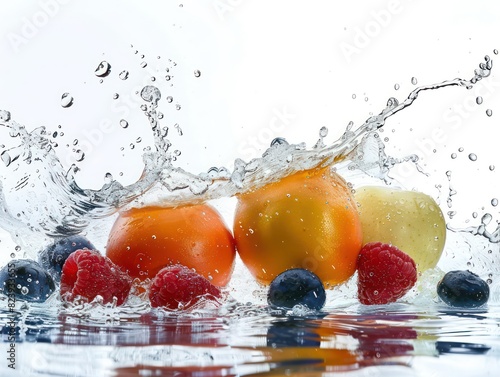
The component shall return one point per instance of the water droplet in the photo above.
(25, 290)
(144, 64)
(177, 107)
(151, 94)
(354, 96)
(489, 112)
(479, 100)
(472, 157)
(179, 129)
(323, 132)
(414, 80)
(392, 102)
(12, 255)
(153, 79)
(197, 73)
(80, 155)
(4, 115)
(123, 123)
(138, 140)
(66, 100)
(116, 96)
(492, 167)
(279, 141)
(108, 178)
(170, 99)
(453, 155)
(495, 51)
(168, 77)
(494, 202)
(396, 86)
(103, 69)
(177, 153)
(123, 75)
(461, 149)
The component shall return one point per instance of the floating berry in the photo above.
(296, 286)
(385, 274)
(178, 287)
(52, 258)
(463, 289)
(87, 273)
(26, 280)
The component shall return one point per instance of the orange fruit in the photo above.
(306, 220)
(144, 240)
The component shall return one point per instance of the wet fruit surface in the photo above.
(87, 274)
(178, 287)
(296, 287)
(145, 240)
(53, 256)
(409, 220)
(26, 280)
(306, 220)
(463, 289)
(385, 274)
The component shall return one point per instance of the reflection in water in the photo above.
(207, 343)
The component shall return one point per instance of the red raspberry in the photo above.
(178, 287)
(87, 273)
(385, 274)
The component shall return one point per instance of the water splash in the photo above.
(33, 168)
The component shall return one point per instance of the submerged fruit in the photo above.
(463, 289)
(145, 240)
(306, 220)
(385, 274)
(53, 256)
(296, 287)
(410, 220)
(26, 280)
(178, 287)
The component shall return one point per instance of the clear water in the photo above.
(40, 199)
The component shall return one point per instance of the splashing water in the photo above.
(39, 198)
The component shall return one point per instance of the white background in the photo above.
(268, 69)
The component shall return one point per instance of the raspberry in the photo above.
(178, 287)
(87, 273)
(385, 274)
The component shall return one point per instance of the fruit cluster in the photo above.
(299, 235)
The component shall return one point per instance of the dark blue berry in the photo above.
(25, 279)
(53, 256)
(296, 287)
(463, 289)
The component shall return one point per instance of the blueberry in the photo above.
(25, 279)
(463, 289)
(53, 256)
(296, 287)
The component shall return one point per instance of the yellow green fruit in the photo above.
(409, 220)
